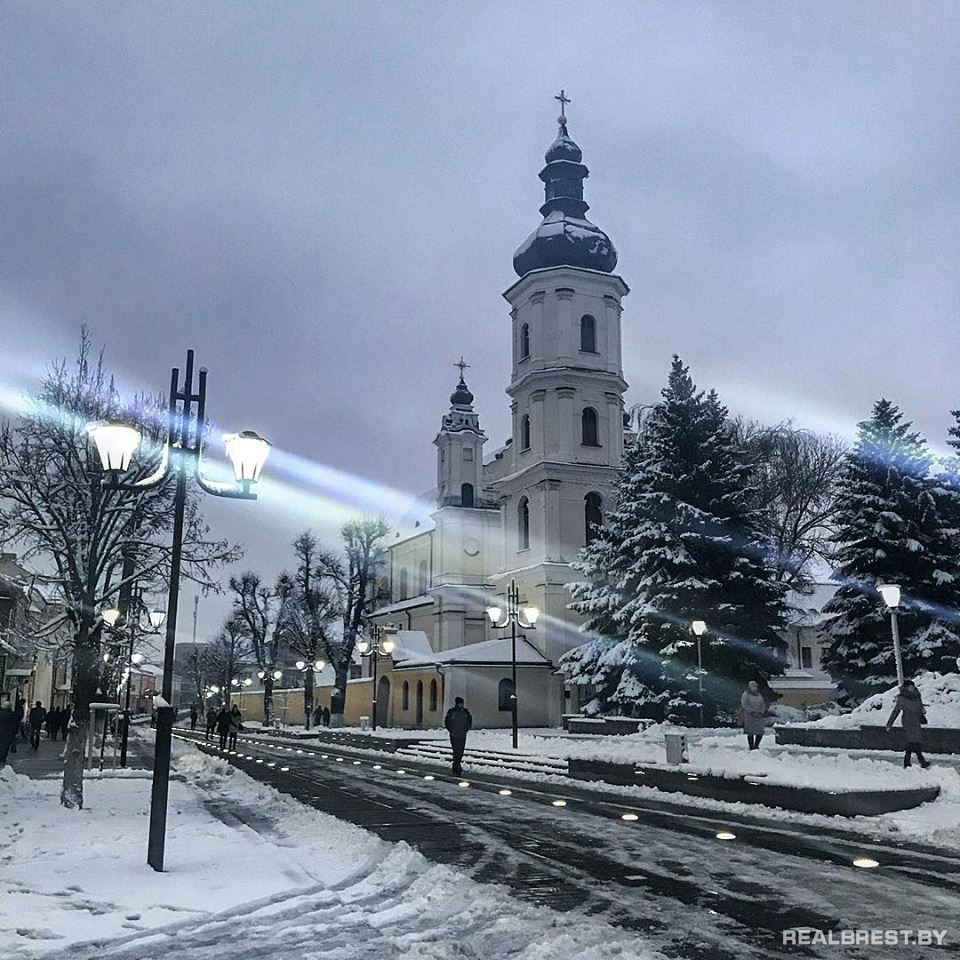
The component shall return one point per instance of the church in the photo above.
(523, 512)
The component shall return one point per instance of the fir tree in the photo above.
(892, 527)
(683, 543)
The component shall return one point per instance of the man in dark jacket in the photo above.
(910, 705)
(8, 729)
(65, 721)
(193, 717)
(37, 716)
(223, 726)
(211, 723)
(458, 723)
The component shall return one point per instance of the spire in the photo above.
(462, 397)
(565, 237)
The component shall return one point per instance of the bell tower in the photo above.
(460, 450)
(566, 390)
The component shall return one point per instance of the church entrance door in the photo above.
(383, 702)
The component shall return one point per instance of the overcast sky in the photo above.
(323, 200)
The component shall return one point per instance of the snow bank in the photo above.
(941, 699)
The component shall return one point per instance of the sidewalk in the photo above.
(47, 762)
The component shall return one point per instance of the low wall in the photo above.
(607, 726)
(739, 790)
(868, 737)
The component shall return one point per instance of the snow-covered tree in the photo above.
(225, 655)
(892, 528)
(683, 543)
(53, 505)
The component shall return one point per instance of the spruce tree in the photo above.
(893, 526)
(682, 544)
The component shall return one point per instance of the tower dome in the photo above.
(565, 238)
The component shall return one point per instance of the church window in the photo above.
(523, 524)
(590, 434)
(525, 432)
(466, 495)
(468, 453)
(406, 695)
(592, 515)
(505, 694)
(434, 701)
(403, 584)
(525, 341)
(422, 580)
(588, 334)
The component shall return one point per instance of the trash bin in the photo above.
(676, 744)
(364, 723)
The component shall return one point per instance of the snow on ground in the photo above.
(238, 848)
(940, 693)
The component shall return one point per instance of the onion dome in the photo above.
(461, 397)
(565, 238)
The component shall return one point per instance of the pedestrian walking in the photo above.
(326, 716)
(753, 708)
(211, 722)
(458, 723)
(18, 717)
(235, 724)
(37, 718)
(193, 717)
(223, 726)
(318, 715)
(65, 721)
(909, 705)
(52, 724)
(8, 729)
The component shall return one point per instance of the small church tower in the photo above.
(566, 390)
(460, 450)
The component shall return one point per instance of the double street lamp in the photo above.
(891, 597)
(500, 619)
(382, 643)
(116, 442)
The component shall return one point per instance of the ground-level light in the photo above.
(866, 862)
(726, 835)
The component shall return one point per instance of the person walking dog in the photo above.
(753, 708)
(458, 723)
(910, 705)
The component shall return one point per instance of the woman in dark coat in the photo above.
(910, 705)
(223, 726)
(753, 708)
(235, 724)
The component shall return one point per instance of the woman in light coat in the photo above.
(910, 705)
(753, 708)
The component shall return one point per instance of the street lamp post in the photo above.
(309, 670)
(500, 619)
(699, 627)
(891, 597)
(116, 443)
(380, 644)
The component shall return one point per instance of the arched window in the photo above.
(525, 341)
(524, 432)
(590, 435)
(466, 495)
(406, 695)
(588, 334)
(505, 694)
(403, 583)
(433, 695)
(592, 515)
(422, 580)
(419, 717)
(523, 524)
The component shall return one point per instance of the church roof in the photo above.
(565, 237)
(487, 653)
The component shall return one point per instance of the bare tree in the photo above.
(197, 670)
(54, 504)
(227, 653)
(262, 611)
(353, 576)
(310, 616)
(795, 475)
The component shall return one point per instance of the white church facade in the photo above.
(524, 511)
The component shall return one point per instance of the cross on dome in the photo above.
(564, 100)
(463, 365)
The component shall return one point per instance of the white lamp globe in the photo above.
(247, 451)
(494, 613)
(363, 646)
(319, 664)
(277, 674)
(389, 645)
(531, 614)
(247, 682)
(137, 658)
(301, 664)
(110, 615)
(116, 441)
(157, 617)
(699, 627)
(890, 593)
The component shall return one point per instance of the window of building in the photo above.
(589, 432)
(404, 586)
(466, 495)
(434, 700)
(525, 432)
(422, 579)
(524, 341)
(419, 717)
(523, 524)
(468, 453)
(405, 695)
(588, 334)
(505, 694)
(592, 515)
(806, 657)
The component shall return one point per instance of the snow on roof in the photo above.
(401, 605)
(411, 644)
(807, 608)
(490, 652)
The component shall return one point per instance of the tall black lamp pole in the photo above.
(380, 644)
